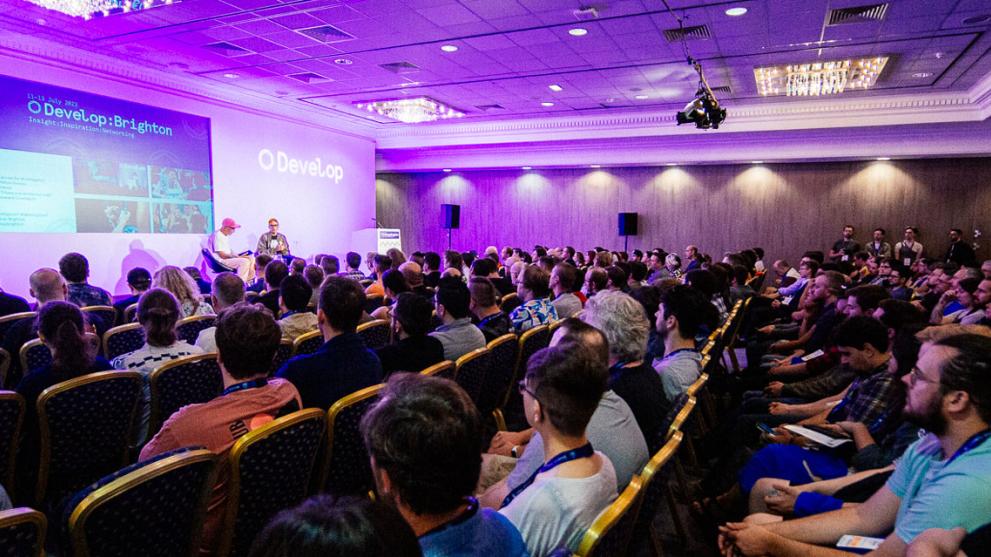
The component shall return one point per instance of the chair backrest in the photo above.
(373, 302)
(123, 339)
(4, 366)
(553, 325)
(86, 424)
(7, 321)
(612, 530)
(681, 417)
(505, 351)
(189, 328)
(531, 341)
(271, 470)
(697, 385)
(22, 532)
(307, 343)
(347, 471)
(653, 485)
(251, 295)
(157, 506)
(445, 369)
(180, 382)
(508, 300)
(107, 313)
(34, 354)
(130, 313)
(11, 420)
(376, 334)
(471, 371)
(282, 355)
(215, 264)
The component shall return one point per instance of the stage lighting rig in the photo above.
(704, 110)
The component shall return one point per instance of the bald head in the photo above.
(412, 272)
(47, 285)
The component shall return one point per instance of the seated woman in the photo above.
(158, 313)
(184, 288)
(62, 328)
(969, 312)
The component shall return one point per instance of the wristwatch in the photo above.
(514, 451)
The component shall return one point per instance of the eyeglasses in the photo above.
(916, 376)
(273, 225)
(521, 386)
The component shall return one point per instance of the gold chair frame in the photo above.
(24, 515)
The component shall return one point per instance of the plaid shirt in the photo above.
(85, 295)
(875, 400)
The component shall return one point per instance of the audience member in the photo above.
(314, 277)
(680, 315)
(139, 281)
(275, 273)
(381, 264)
(294, 297)
(202, 285)
(412, 349)
(431, 269)
(227, 290)
(257, 284)
(536, 309)
(353, 270)
(492, 321)
(75, 268)
(844, 248)
(877, 247)
(908, 250)
(959, 251)
(45, 285)
(330, 265)
(343, 364)
(182, 286)
(10, 304)
(247, 338)
(456, 332)
(423, 437)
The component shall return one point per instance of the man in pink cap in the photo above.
(243, 265)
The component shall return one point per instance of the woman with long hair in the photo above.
(158, 312)
(184, 288)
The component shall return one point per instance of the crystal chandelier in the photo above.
(412, 110)
(87, 9)
(819, 78)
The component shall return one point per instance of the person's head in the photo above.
(313, 275)
(424, 440)
(342, 300)
(275, 273)
(898, 314)
(982, 297)
(949, 384)
(396, 256)
(193, 273)
(452, 260)
(966, 288)
(453, 299)
(623, 321)
(691, 251)
(325, 526)
(596, 280)
(295, 293)
(353, 260)
(638, 272)
(74, 267)
(863, 300)
(411, 271)
(330, 264)
(827, 286)
(138, 280)
(158, 313)
(561, 391)
(704, 280)
(956, 234)
(431, 262)
(878, 234)
(483, 267)
(860, 258)
(740, 275)
(394, 283)
(227, 290)
(602, 259)
(617, 278)
(411, 314)
(807, 269)
(847, 232)
(986, 269)
(178, 282)
(483, 294)
(273, 225)
(911, 233)
(47, 285)
(672, 261)
(862, 342)
(261, 262)
(898, 275)
(247, 339)
(575, 334)
(563, 278)
(535, 284)
(62, 328)
(681, 313)
(381, 264)
(228, 226)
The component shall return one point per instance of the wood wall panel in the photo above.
(786, 208)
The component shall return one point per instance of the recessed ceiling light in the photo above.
(343, 61)
(546, 104)
(735, 12)
(641, 97)
(610, 99)
(41, 21)
(449, 48)
(595, 165)
(756, 162)
(884, 158)
(578, 31)
(231, 75)
(555, 88)
(527, 167)
(671, 164)
(446, 169)
(922, 74)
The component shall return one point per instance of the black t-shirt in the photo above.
(12, 304)
(411, 354)
(495, 325)
(643, 391)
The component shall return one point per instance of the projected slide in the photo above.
(76, 162)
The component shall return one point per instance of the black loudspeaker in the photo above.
(450, 216)
(627, 224)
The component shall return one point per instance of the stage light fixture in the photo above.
(704, 110)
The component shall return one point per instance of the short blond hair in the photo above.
(940, 332)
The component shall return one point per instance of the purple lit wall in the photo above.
(785, 208)
(318, 212)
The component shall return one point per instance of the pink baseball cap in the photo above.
(229, 223)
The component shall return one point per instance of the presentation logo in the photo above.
(282, 163)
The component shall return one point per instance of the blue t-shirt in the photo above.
(485, 532)
(937, 494)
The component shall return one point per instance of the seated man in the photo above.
(486, 268)
(492, 321)
(46, 285)
(423, 437)
(353, 270)
(247, 338)
(679, 318)
(555, 505)
(314, 277)
(382, 263)
(12, 304)
(227, 290)
(275, 273)
(413, 349)
(139, 281)
(294, 297)
(257, 285)
(343, 364)
(457, 333)
(75, 268)
(537, 309)
(243, 265)
(563, 280)
(940, 482)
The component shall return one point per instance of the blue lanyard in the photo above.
(673, 352)
(616, 371)
(584, 451)
(469, 512)
(254, 383)
(970, 444)
(490, 318)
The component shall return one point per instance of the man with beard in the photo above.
(679, 317)
(942, 480)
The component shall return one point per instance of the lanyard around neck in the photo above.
(252, 384)
(584, 451)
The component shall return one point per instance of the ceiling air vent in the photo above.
(857, 14)
(490, 107)
(722, 89)
(689, 33)
(326, 34)
(227, 49)
(308, 77)
(586, 13)
(400, 67)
